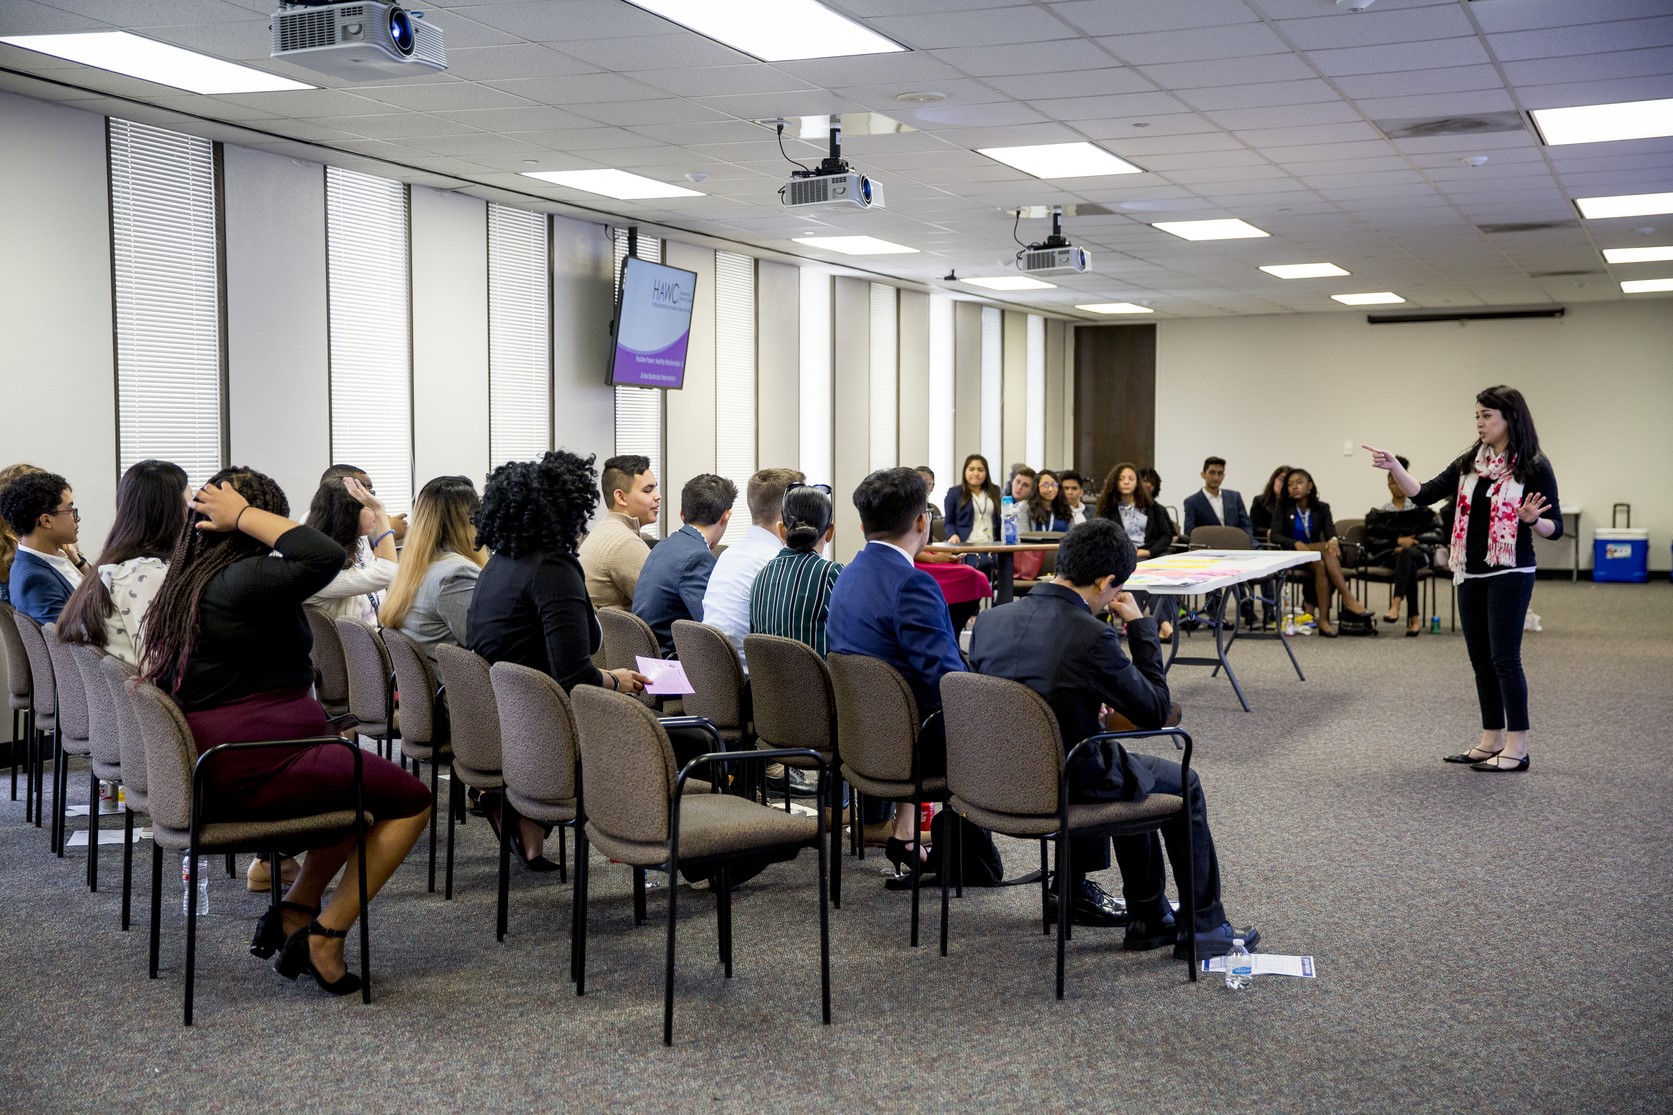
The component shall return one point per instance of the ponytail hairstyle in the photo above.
(150, 508)
(806, 516)
(443, 522)
(170, 630)
(1523, 444)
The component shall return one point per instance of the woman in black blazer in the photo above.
(1303, 522)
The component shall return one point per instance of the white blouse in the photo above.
(353, 592)
(132, 585)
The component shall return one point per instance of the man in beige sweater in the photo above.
(613, 552)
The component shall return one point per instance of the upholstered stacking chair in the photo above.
(475, 721)
(794, 707)
(19, 697)
(721, 693)
(331, 671)
(878, 724)
(642, 811)
(72, 734)
(627, 638)
(371, 681)
(1007, 772)
(540, 762)
(104, 745)
(119, 677)
(176, 777)
(425, 728)
(43, 710)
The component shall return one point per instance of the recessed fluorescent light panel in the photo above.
(1232, 229)
(1060, 160)
(1115, 308)
(1624, 205)
(1376, 298)
(1638, 255)
(1601, 123)
(149, 60)
(1010, 282)
(856, 245)
(1645, 286)
(618, 184)
(774, 30)
(1304, 270)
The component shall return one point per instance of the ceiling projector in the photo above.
(833, 182)
(363, 41)
(1054, 255)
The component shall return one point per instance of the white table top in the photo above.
(1197, 571)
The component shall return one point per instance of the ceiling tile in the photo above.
(1378, 28)
(1521, 15)
(1402, 83)
(1073, 83)
(1436, 54)
(490, 63)
(454, 95)
(556, 22)
(984, 27)
(1590, 38)
(1122, 106)
(1244, 71)
(1287, 116)
(1263, 95)
(1196, 44)
(677, 47)
(577, 88)
(1131, 17)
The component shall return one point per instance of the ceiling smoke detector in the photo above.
(1355, 5)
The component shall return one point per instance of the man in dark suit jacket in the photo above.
(1199, 506)
(1052, 642)
(672, 580)
(40, 509)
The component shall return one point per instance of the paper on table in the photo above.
(666, 674)
(1269, 964)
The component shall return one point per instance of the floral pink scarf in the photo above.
(1504, 495)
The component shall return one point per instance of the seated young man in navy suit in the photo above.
(884, 606)
(40, 509)
(1215, 506)
(1052, 642)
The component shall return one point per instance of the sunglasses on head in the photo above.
(826, 488)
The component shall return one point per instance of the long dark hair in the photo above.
(1267, 499)
(1286, 505)
(336, 514)
(991, 488)
(1039, 510)
(807, 515)
(1523, 444)
(170, 630)
(150, 506)
(1110, 498)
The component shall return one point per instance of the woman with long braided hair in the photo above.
(227, 639)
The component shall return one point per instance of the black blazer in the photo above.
(1050, 641)
(535, 611)
(1321, 528)
(1158, 530)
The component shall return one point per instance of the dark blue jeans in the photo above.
(1492, 610)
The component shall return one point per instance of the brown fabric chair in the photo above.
(878, 724)
(72, 734)
(424, 725)
(626, 638)
(371, 683)
(475, 721)
(1007, 772)
(19, 698)
(643, 812)
(130, 744)
(43, 711)
(175, 776)
(795, 706)
(104, 748)
(1216, 537)
(717, 675)
(540, 762)
(331, 671)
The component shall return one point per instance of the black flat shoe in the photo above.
(295, 960)
(1466, 757)
(1491, 766)
(270, 929)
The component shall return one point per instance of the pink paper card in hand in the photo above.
(667, 676)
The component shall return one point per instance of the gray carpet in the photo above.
(1484, 943)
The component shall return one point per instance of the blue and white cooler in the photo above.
(1621, 555)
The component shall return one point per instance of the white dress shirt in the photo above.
(1218, 502)
(726, 601)
(58, 561)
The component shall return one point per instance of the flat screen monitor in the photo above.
(653, 325)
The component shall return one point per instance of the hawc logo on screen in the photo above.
(665, 292)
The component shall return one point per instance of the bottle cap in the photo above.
(1237, 942)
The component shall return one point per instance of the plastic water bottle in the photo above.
(1008, 520)
(202, 881)
(1240, 968)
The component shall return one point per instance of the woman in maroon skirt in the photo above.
(226, 637)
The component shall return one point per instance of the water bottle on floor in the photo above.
(1240, 968)
(202, 882)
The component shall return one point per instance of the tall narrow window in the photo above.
(993, 392)
(369, 290)
(941, 389)
(885, 377)
(639, 409)
(735, 379)
(816, 376)
(519, 336)
(166, 268)
(1034, 433)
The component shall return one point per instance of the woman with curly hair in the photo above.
(531, 605)
(226, 637)
(346, 510)
(432, 593)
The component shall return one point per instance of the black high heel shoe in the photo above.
(270, 928)
(900, 854)
(295, 959)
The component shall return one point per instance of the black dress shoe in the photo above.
(802, 784)
(1145, 934)
(1218, 941)
(1091, 905)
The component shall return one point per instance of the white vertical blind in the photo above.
(1034, 433)
(815, 376)
(168, 309)
(639, 409)
(735, 380)
(993, 393)
(885, 377)
(941, 389)
(370, 291)
(519, 335)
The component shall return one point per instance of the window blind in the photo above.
(369, 289)
(993, 393)
(885, 378)
(166, 271)
(639, 409)
(735, 380)
(519, 335)
(1034, 435)
(941, 407)
(815, 376)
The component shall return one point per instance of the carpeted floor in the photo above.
(1484, 943)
